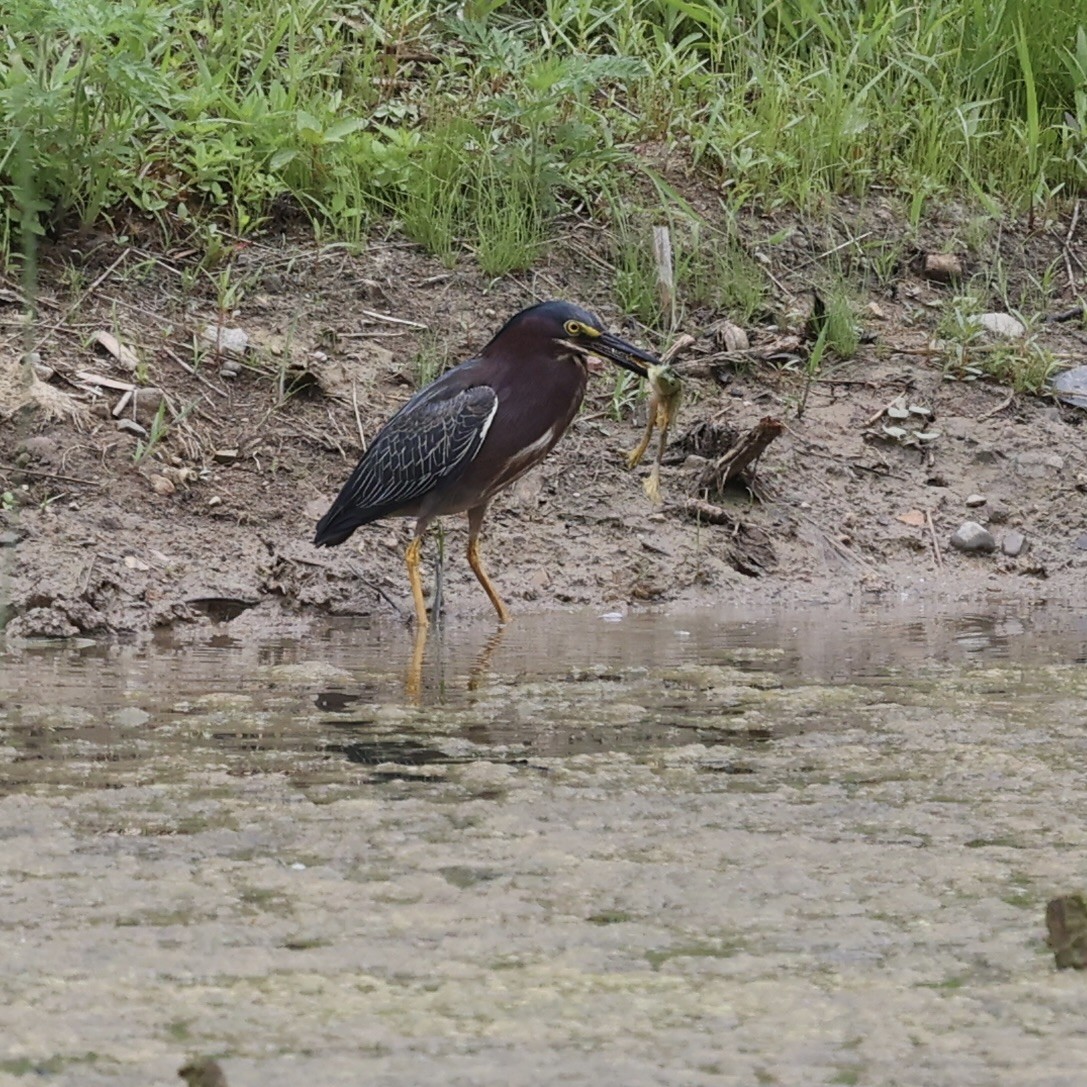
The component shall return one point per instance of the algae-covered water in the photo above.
(654, 849)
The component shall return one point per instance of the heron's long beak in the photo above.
(617, 350)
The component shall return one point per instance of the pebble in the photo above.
(226, 341)
(1037, 463)
(1013, 543)
(942, 267)
(146, 403)
(9, 539)
(130, 426)
(732, 337)
(971, 536)
(975, 500)
(1002, 324)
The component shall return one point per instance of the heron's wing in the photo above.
(431, 439)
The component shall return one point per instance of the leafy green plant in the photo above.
(843, 333)
(430, 361)
(635, 270)
(962, 334)
(716, 271)
(1025, 366)
(195, 112)
(160, 427)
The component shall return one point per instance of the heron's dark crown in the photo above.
(545, 320)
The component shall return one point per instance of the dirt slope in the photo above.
(218, 516)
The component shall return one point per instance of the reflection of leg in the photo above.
(483, 661)
(437, 601)
(475, 521)
(414, 561)
(413, 685)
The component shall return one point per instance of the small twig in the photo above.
(999, 408)
(104, 382)
(371, 334)
(935, 541)
(1067, 247)
(123, 403)
(191, 371)
(79, 303)
(707, 512)
(87, 577)
(872, 420)
(1064, 315)
(389, 319)
(681, 344)
(49, 475)
(358, 417)
(666, 284)
(821, 256)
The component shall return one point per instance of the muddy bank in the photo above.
(108, 530)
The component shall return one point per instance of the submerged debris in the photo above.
(1066, 920)
(202, 1072)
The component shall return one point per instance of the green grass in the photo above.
(473, 132)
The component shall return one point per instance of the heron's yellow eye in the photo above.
(579, 328)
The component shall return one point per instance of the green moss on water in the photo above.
(848, 1075)
(179, 1030)
(717, 950)
(49, 1066)
(609, 917)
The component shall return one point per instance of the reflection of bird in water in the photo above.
(202, 1072)
(474, 431)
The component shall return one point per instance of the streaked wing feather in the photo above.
(426, 442)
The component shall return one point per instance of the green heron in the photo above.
(455, 444)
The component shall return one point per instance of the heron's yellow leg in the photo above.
(414, 560)
(475, 520)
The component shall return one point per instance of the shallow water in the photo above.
(653, 849)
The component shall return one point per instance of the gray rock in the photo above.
(9, 539)
(130, 426)
(1036, 464)
(146, 403)
(1014, 543)
(942, 267)
(1002, 324)
(1071, 386)
(226, 341)
(971, 536)
(975, 500)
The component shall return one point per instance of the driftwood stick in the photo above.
(935, 540)
(746, 451)
(706, 512)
